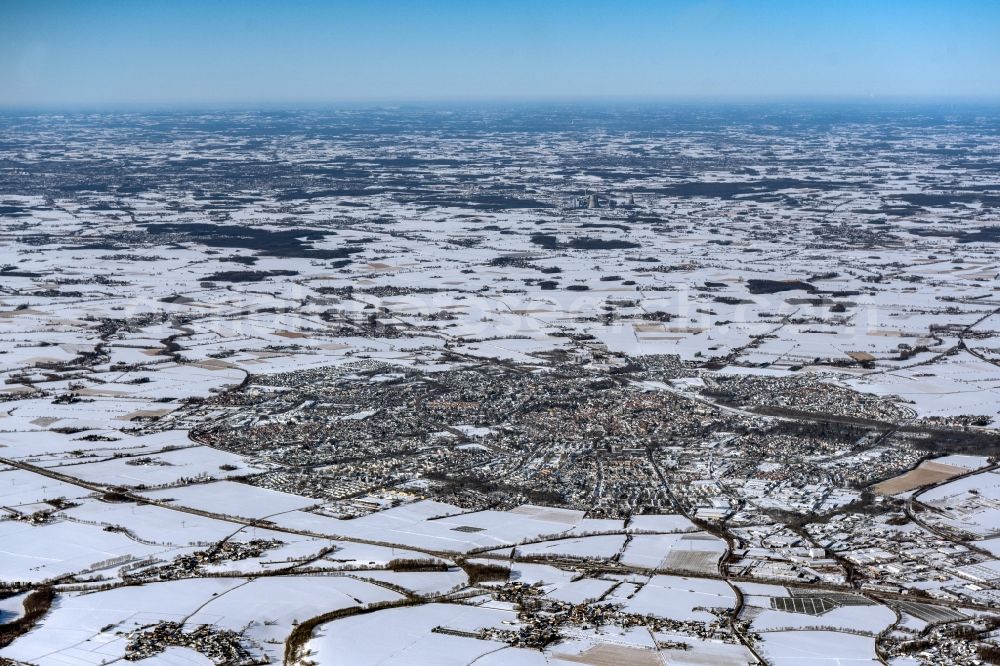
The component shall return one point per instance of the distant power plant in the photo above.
(595, 200)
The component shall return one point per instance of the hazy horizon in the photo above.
(902, 104)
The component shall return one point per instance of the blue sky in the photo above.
(181, 52)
